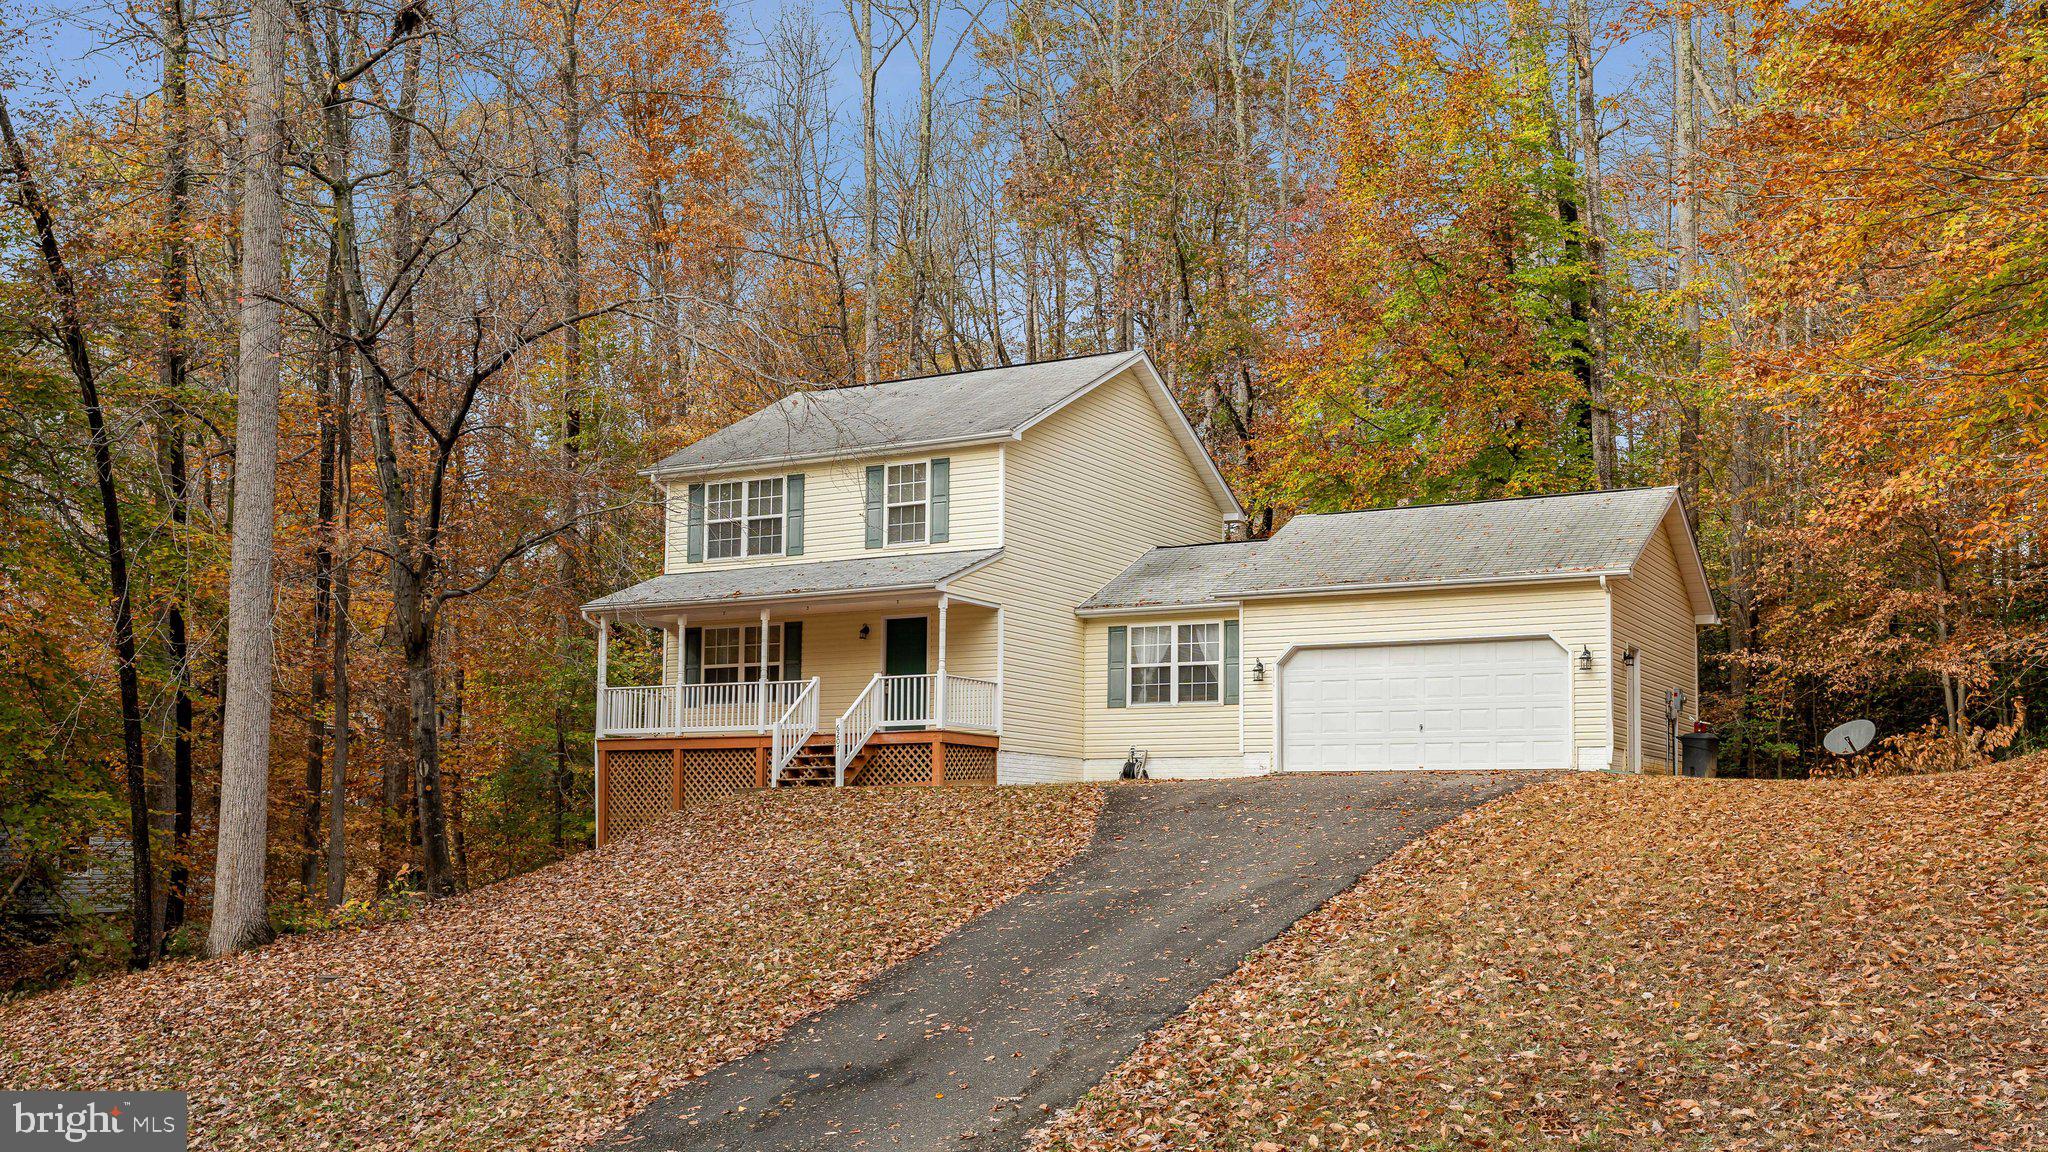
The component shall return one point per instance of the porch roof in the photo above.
(863, 575)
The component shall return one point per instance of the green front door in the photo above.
(905, 641)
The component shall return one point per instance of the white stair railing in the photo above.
(851, 731)
(793, 729)
(886, 702)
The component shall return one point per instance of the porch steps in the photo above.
(813, 766)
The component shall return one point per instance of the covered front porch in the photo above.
(844, 688)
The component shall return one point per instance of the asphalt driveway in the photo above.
(971, 1044)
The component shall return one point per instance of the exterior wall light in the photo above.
(863, 631)
(1585, 658)
(1258, 671)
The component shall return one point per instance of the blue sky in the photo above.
(63, 52)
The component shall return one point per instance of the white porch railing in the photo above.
(635, 711)
(969, 703)
(676, 709)
(793, 729)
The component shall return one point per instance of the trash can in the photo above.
(1698, 753)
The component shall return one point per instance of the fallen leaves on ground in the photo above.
(1632, 963)
(539, 1012)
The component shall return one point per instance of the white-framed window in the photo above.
(907, 503)
(1176, 664)
(743, 518)
(733, 655)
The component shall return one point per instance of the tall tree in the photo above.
(173, 363)
(77, 349)
(1579, 43)
(241, 916)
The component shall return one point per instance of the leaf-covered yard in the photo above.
(1628, 963)
(535, 1013)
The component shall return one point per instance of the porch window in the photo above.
(1176, 664)
(743, 518)
(907, 502)
(733, 655)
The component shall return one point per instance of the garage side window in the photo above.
(1176, 664)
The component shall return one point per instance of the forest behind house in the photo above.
(1790, 258)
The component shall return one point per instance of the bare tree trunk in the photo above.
(78, 357)
(1286, 123)
(1579, 35)
(1686, 137)
(332, 562)
(317, 695)
(862, 13)
(403, 362)
(172, 361)
(917, 245)
(337, 832)
(569, 275)
(240, 914)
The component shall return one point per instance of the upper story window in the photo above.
(744, 518)
(1177, 664)
(907, 498)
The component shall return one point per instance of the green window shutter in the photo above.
(1230, 661)
(696, 550)
(1119, 662)
(793, 525)
(942, 499)
(693, 655)
(793, 650)
(874, 505)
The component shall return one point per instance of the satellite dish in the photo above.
(1850, 738)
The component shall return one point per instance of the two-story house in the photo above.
(1023, 575)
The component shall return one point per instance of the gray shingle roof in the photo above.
(1584, 533)
(704, 584)
(1188, 574)
(959, 407)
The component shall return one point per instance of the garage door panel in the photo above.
(1471, 705)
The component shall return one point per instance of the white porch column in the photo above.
(604, 635)
(939, 684)
(683, 630)
(763, 722)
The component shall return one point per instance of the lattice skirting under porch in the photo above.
(713, 772)
(641, 784)
(897, 764)
(644, 784)
(970, 764)
(640, 789)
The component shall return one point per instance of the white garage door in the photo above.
(1477, 704)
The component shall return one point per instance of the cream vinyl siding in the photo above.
(1574, 614)
(1653, 612)
(1163, 730)
(1089, 490)
(843, 662)
(835, 508)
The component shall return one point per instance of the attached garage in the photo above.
(1475, 704)
(1541, 633)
